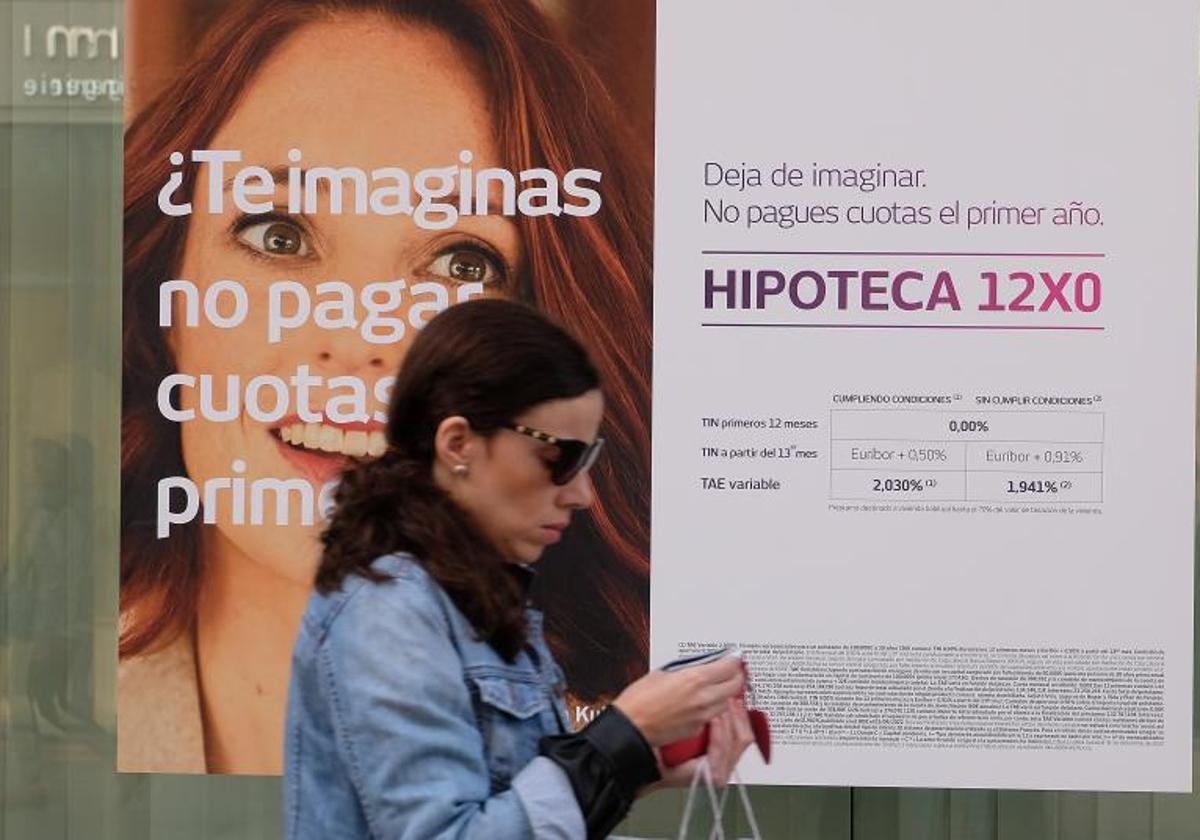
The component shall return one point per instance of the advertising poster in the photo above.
(306, 185)
(925, 296)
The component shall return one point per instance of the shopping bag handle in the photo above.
(716, 802)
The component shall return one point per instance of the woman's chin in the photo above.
(289, 552)
(526, 553)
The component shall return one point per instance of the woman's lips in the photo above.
(553, 533)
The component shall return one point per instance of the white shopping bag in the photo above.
(717, 803)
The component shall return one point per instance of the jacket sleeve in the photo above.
(607, 763)
(406, 729)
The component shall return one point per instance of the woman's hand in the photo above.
(667, 706)
(729, 735)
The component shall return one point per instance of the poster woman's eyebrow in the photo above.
(278, 173)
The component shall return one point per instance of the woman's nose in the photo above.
(578, 492)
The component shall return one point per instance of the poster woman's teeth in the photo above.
(325, 438)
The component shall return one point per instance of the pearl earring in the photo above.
(461, 469)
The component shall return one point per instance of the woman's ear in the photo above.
(454, 444)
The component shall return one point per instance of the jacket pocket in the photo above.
(511, 712)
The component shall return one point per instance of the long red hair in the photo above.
(593, 275)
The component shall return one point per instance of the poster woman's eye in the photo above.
(467, 264)
(277, 238)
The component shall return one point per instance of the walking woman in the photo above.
(424, 701)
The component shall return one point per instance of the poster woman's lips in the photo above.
(357, 440)
(315, 465)
(322, 451)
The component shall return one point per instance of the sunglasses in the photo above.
(574, 456)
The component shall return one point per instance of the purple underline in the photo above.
(1000, 327)
(1055, 254)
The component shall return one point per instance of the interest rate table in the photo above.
(980, 456)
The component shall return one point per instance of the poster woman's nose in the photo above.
(346, 352)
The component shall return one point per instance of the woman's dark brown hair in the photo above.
(488, 361)
(549, 110)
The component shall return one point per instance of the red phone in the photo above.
(685, 749)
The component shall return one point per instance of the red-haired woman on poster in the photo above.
(209, 610)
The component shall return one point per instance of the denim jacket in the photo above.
(402, 724)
